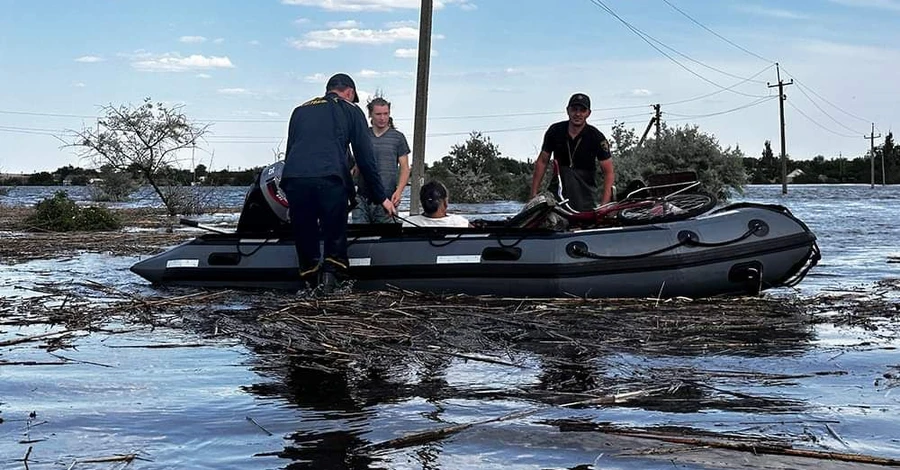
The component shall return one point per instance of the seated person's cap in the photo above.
(342, 80)
(580, 99)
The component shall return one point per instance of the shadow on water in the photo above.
(542, 355)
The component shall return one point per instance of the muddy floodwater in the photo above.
(801, 378)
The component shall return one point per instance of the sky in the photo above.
(502, 67)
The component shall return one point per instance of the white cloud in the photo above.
(174, 62)
(366, 73)
(79, 85)
(368, 5)
(402, 24)
(89, 59)
(233, 91)
(218, 40)
(315, 78)
(300, 21)
(203, 75)
(641, 93)
(270, 113)
(772, 12)
(411, 53)
(192, 39)
(346, 24)
(841, 51)
(254, 42)
(882, 4)
(332, 38)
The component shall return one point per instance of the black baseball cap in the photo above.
(342, 80)
(580, 99)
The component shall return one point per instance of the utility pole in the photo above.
(781, 99)
(654, 119)
(872, 138)
(658, 117)
(422, 73)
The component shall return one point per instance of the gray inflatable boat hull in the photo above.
(743, 248)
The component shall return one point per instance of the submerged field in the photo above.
(100, 370)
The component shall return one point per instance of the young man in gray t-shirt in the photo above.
(392, 158)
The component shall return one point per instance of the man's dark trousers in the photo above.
(314, 204)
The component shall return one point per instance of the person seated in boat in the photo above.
(578, 149)
(435, 200)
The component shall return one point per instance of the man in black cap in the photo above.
(316, 177)
(577, 147)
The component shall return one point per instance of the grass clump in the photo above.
(61, 214)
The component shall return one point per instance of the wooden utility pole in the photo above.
(781, 99)
(654, 119)
(872, 138)
(658, 116)
(422, 73)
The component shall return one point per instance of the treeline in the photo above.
(75, 176)
(767, 168)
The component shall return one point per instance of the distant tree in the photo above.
(43, 178)
(465, 169)
(474, 171)
(680, 149)
(891, 159)
(200, 170)
(769, 166)
(114, 185)
(145, 139)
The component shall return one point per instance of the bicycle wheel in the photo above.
(673, 208)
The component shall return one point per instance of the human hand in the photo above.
(389, 207)
(395, 198)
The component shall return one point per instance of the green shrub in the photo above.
(96, 219)
(61, 214)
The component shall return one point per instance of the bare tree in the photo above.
(145, 139)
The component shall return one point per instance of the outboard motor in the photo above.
(265, 205)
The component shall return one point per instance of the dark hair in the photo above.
(380, 101)
(431, 196)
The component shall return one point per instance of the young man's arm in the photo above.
(540, 167)
(402, 178)
(609, 177)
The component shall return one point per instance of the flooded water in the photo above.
(211, 404)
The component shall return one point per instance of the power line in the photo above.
(697, 98)
(801, 84)
(826, 113)
(679, 10)
(817, 122)
(645, 36)
(719, 113)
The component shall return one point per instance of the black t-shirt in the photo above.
(577, 160)
(582, 152)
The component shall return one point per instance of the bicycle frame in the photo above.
(606, 213)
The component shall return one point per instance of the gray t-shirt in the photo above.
(388, 150)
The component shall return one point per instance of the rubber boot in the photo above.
(329, 282)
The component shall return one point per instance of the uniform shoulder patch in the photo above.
(315, 101)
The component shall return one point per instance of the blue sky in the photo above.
(502, 67)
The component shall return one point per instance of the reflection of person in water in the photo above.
(351, 394)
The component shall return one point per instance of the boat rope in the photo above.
(579, 249)
(754, 227)
(807, 264)
(253, 251)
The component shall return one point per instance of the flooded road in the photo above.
(185, 395)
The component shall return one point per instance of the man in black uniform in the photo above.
(577, 147)
(316, 177)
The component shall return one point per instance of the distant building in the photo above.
(794, 174)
